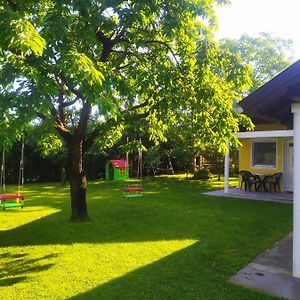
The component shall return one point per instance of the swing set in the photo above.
(17, 199)
(133, 187)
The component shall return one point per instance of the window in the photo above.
(122, 171)
(264, 153)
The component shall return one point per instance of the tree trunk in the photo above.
(62, 173)
(78, 182)
(192, 168)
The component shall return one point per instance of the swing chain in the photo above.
(2, 177)
(21, 169)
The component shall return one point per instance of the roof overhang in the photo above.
(265, 134)
(119, 163)
(271, 103)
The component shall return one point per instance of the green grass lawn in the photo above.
(174, 243)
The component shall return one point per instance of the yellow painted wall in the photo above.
(245, 157)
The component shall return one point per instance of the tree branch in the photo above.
(92, 136)
(71, 88)
(62, 115)
(120, 36)
(69, 103)
(62, 130)
(42, 116)
(166, 45)
(106, 43)
(135, 107)
(90, 140)
(122, 67)
(60, 126)
(125, 52)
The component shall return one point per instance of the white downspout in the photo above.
(236, 108)
(296, 200)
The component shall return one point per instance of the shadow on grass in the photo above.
(202, 276)
(154, 281)
(180, 212)
(227, 231)
(16, 267)
(172, 214)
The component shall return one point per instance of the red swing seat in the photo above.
(132, 188)
(19, 200)
(4, 197)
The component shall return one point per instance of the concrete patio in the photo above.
(237, 193)
(271, 272)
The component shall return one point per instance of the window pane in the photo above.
(264, 153)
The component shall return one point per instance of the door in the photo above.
(288, 166)
(111, 172)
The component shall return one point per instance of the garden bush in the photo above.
(203, 174)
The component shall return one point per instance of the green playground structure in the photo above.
(116, 169)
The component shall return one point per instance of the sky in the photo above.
(281, 18)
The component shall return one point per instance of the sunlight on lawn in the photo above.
(146, 248)
(212, 183)
(74, 269)
(16, 217)
(215, 184)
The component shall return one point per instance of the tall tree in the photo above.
(70, 61)
(207, 120)
(267, 55)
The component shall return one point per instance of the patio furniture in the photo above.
(243, 179)
(249, 180)
(262, 186)
(273, 181)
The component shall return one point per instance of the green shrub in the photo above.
(203, 174)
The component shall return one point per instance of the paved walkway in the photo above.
(237, 193)
(271, 272)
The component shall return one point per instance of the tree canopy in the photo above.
(267, 55)
(90, 68)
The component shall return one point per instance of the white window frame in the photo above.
(266, 140)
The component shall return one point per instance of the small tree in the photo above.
(46, 143)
